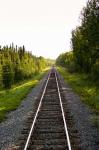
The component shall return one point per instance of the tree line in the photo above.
(17, 64)
(66, 60)
(85, 42)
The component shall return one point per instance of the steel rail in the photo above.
(63, 115)
(34, 120)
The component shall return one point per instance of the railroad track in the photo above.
(49, 129)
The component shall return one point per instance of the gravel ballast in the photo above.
(10, 130)
(89, 134)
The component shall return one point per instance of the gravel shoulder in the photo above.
(89, 134)
(10, 129)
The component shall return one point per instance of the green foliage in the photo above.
(83, 61)
(85, 38)
(17, 64)
(18, 74)
(85, 44)
(50, 62)
(95, 71)
(0, 74)
(8, 76)
(66, 60)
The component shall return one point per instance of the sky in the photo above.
(43, 26)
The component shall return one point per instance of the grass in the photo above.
(11, 99)
(86, 88)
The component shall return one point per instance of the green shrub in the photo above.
(8, 75)
(95, 71)
(19, 76)
(0, 75)
(71, 67)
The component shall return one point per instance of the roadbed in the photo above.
(10, 129)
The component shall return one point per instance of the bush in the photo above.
(95, 71)
(72, 67)
(0, 75)
(19, 75)
(8, 75)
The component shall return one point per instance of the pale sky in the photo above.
(43, 26)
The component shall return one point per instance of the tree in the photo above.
(8, 75)
(66, 60)
(17, 64)
(85, 38)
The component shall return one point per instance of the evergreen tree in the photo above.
(17, 64)
(8, 75)
(85, 39)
